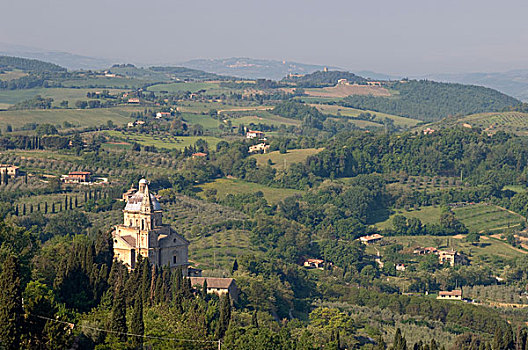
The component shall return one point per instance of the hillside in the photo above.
(28, 65)
(513, 83)
(251, 68)
(322, 79)
(511, 122)
(430, 101)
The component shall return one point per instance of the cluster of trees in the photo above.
(431, 101)
(322, 79)
(37, 102)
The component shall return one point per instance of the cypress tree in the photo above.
(137, 326)
(225, 315)
(31, 208)
(204, 289)
(38, 207)
(76, 202)
(45, 207)
(235, 266)
(10, 304)
(118, 323)
(71, 204)
(254, 319)
(399, 341)
(24, 209)
(53, 208)
(16, 210)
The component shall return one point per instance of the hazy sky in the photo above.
(390, 36)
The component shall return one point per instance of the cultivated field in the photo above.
(236, 186)
(488, 218)
(353, 112)
(343, 90)
(281, 161)
(168, 142)
(77, 117)
(191, 87)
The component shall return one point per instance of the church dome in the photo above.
(135, 202)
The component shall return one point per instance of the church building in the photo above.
(143, 232)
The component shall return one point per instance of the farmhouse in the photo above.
(374, 83)
(314, 264)
(143, 233)
(251, 134)
(162, 115)
(450, 257)
(133, 100)
(10, 170)
(260, 148)
(217, 285)
(371, 239)
(450, 295)
(342, 82)
(77, 177)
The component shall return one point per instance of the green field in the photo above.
(353, 112)
(281, 161)
(235, 186)
(488, 218)
(168, 142)
(78, 117)
(427, 215)
(206, 121)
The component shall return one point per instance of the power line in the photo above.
(72, 325)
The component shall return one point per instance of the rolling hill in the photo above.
(431, 101)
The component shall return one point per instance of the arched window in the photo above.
(142, 224)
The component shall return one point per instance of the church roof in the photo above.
(134, 202)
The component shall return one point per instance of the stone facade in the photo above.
(143, 232)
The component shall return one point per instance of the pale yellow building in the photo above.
(143, 232)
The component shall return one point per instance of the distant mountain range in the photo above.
(64, 59)
(513, 83)
(252, 68)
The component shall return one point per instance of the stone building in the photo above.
(143, 232)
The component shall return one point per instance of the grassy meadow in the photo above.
(280, 161)
(77, 117)
(236, 186)
(353, 112)
(168, 142)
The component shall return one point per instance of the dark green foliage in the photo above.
(11, 320)
(69, 222)
(310, 116)
(137, 326)
(430, 101)
(118, 322)
(399, 342)
(225, 315)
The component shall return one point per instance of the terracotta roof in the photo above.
(212, 282)
(80, 173)
(199, 154)
(371, 237)
(456, 293)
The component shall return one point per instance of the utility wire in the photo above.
(71, 325)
